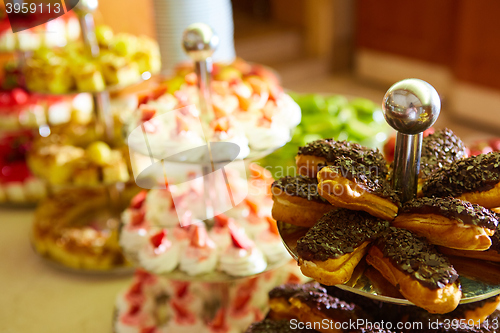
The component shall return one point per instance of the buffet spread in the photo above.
(304, 230)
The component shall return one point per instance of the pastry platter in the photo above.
(473, 288)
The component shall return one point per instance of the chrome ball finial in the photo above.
(86, 6)
(411, 106)
(199, 41)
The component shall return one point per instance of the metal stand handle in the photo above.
(410, 107)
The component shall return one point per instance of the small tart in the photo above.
(316, 154)
(475, 179)
(297, 201)
(331, 249)
(349, 184)
(422, 275)
(449, 222)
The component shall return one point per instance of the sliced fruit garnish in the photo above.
(221, 220)
(151, 329)
(220, 125)
(199, 236)
(136, 289)
(137, 217)
(239, 239)
(182, 125)
(252, 204)
(292, 278)
(273, 227)
(147, 112)
(134, 309)
(219, 320)
(181, 310)
(138, 200)
(157, 239)
(241, 301)
(181, 289)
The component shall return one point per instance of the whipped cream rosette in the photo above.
(236, 243)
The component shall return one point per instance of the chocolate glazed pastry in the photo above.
(349, 184)
(296, 201)
(438, 149)
(492, 254)
(279, 298)
(331, 249)
(323, 152)
(472, 313)
(475, 179)
(449, 222)
(320, 308)
(422, 275)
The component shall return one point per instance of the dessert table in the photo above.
(38, 298)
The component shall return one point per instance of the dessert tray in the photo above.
(475, 285)
(418, 231)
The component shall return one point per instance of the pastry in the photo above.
(279, 298)
(422, 275)
(249, 107)
(323, 152)
(449, 222)
(332, 248)
(438, 149)
(475, 179)
(161, 255)
(492, 254)
(200, 256)
(297, 201)
(317, 308)
(349, 184)
(73, 229)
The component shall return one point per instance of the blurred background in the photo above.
(361, 47)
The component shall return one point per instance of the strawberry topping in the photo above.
(273, 227)
(138, 200)
(181, 289)
(147, 112)
(219, 321)
(221, 220)
(240, 240)
(252, 204)
(157, 239)
(151, 329)
(137, 217)
(199, 236)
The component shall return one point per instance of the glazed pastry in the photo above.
(279, 298)
(449, 222)
(323, 152)
(438, 149)
(422, 275)
(475, 179)
(349, 184)
(479, 270)
(296, 201)
(200, 256)
(476, 311)
(331, 249)
(316, 308)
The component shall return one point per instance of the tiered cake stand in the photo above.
(199, 43)
(96, 207)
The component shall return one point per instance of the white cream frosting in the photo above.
(199, 260)
(240, 262)
(162, 259)
(272, 246)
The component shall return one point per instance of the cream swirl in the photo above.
(242, 262)
(161, 255)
